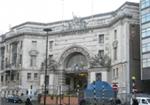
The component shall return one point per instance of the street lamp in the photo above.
(45, 79)
(133, 85)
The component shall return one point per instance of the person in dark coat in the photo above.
(134, 101)
(28, 102)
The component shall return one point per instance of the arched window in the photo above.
(76, 61)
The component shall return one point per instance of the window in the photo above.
(115, 53)
(146, 32)
(145, 60)
(28, 76)
(7, 48)
(145, 3)
(34, 43)
(17, 76)
(51, 45)
(6, 78)
(47, 80)
(101, 38)
(101, 53)
(21, 44)
(20, 59)
(33, 60)
(2, 78)
(35, 76)
(115, 73)
(12, 76)
(14, 53)
(50, 57)
(146, 47)
(145, 17)
(115, 34)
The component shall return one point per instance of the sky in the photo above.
(15, 12)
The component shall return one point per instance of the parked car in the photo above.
(14, 99)
(142, 100)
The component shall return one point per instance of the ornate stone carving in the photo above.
(77, 23)
(51, 65)
(98, 61)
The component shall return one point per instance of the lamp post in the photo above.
(45, 79)
(133, 85)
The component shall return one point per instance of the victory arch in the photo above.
(75, 63)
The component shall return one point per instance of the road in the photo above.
(4, 102)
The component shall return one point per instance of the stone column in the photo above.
(61, 81)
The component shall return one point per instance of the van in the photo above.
(143, 100)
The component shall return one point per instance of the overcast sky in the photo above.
(14, 12)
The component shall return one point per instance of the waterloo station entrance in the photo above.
(77, 81)
(76, 68)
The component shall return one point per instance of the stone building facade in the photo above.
(80, 51)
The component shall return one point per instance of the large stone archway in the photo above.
(70, 52)
(75, 63)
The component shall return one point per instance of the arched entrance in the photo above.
(75, 61)
(76, 71)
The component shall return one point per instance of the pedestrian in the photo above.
(134, 101)
(28, 102)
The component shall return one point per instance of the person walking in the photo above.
(135, 102)
(28, 102)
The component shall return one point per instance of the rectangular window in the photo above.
(14, 53)
(7, 48)
(34, 43)
(145, 47)
(35, 76)
(51, 45)
(145, 32)
(145, 17)
(20, 59)
(28, 76)
(101, 53)
(146, 62)
(145, 3)
(17, 76)
(6, 78)
(47, 80)
(115, 53)
(2, 78)
(115, 73)
(50, 57)
(33, 60)
(101, 38)
(115, 34)
(21, 44)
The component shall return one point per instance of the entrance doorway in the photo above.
(77, 81)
